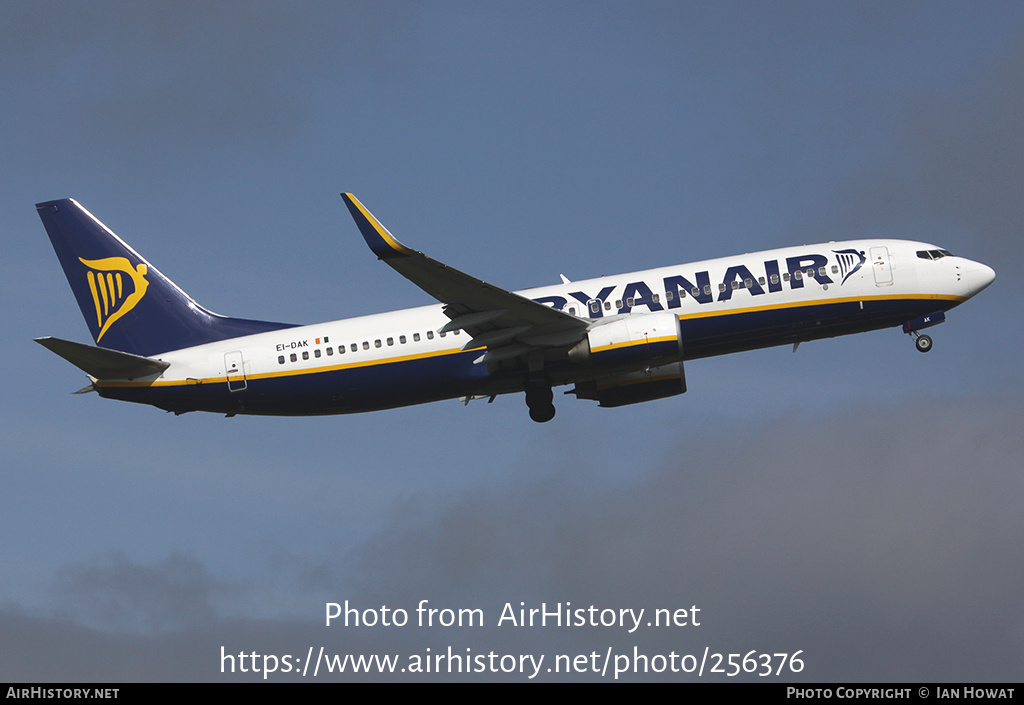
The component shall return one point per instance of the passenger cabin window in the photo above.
(401, 339)
(293, 357)
(391, 341)
(317, 353)
(305, 355)
(415, 337)
(595, 306)
(430, 335)
(280, 359)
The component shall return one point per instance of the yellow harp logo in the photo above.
(112, 295)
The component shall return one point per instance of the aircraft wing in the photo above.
(504, 322)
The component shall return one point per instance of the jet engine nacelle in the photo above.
(634, 387)
(644, 339)
(650, 343)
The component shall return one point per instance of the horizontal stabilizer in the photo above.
(103, 363)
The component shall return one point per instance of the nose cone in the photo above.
(978, 277)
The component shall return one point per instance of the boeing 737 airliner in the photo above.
(618, 339)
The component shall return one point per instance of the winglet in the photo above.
(382, 242)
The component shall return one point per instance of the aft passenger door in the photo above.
(234, 368)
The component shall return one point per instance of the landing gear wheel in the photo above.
(539, 398)
(923, 343)
(541, 414)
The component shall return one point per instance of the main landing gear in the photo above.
(539, 398)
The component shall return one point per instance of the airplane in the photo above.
(618, 340)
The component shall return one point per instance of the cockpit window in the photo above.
(934, 254)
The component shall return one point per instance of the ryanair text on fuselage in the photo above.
(698, 287)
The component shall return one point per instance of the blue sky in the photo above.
(843, 500)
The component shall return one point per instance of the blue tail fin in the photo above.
(128, 304)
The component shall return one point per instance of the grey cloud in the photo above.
(115, 593)
(881, 542)
(953, 173)
(972, 163)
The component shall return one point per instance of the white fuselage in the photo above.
(723, 305)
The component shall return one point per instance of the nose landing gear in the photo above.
(923, 342)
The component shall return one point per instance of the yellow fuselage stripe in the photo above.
(631, 343)
(819, 302)
(604, 348)
(287, 373)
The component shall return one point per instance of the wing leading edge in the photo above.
(507, 324)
